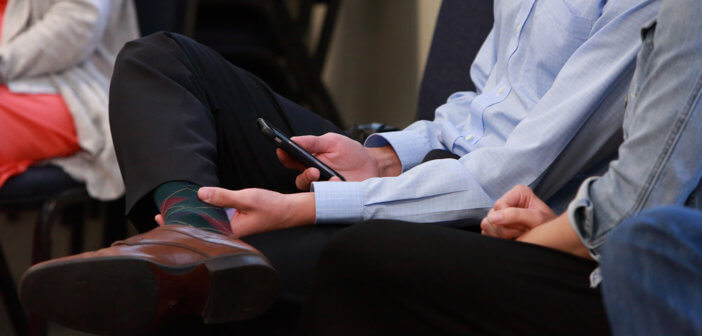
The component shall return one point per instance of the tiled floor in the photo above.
(16, 237)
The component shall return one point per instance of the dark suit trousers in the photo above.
(179, 111)
(396, 278)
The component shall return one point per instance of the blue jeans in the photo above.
(652, 273)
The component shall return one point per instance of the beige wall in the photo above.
(377, 57)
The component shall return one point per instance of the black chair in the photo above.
(265, 38)
(9, 296)
(454, 45)
(55, 194)
(176, 16)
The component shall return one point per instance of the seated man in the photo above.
(182, 117)
(56, 59)
(390, 277)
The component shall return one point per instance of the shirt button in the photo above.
(470, 137)
(500, 90)
(519, 28)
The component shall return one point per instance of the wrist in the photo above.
(387, 161)
(302, 209)
(557, 234)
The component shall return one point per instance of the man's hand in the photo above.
(515, 213)
(260, 210)
(346, 156)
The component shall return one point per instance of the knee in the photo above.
(147, 49)
(654, 231)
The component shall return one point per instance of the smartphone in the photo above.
(281, 141)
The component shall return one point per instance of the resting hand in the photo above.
(515, 213)
(344, 155)
(259, 210)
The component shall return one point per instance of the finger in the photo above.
(288, 161)
(311, 143)
(159, 220)
(517, 218)
(487, 228)
(497, 231)
(517, 197)
(305, 179)
(335, 178)
(223, 197)
(484, 225)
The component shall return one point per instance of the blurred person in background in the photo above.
(56, 60)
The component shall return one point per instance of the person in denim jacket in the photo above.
(652, 262)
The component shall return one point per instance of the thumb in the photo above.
(218, 197)
(311, 143)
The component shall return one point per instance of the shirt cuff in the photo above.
(338, 202)
(409, 146)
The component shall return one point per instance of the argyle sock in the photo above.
(179, 204)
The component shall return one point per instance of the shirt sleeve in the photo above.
(418, 139)
(445, 190)
(68, 32)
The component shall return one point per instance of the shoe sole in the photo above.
(126, 295)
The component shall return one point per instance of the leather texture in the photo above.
(171, 245)
(139, 284)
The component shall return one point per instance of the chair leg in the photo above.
(74, 216)
(9, 294)
(115, 222)
(41, 251)
(41, 247)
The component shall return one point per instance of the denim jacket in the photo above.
(660, 161)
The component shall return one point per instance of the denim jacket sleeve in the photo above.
(660, 161)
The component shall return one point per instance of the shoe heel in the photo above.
(241, 287)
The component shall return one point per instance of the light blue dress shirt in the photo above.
(542, 71)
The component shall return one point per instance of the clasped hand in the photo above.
(515, 213)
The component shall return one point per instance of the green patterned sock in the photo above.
(179, 204)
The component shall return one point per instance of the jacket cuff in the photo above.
(581, 216)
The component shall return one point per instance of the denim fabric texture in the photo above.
(660, 161)
(542, 71)
(652, 269)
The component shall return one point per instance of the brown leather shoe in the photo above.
(139, 283)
